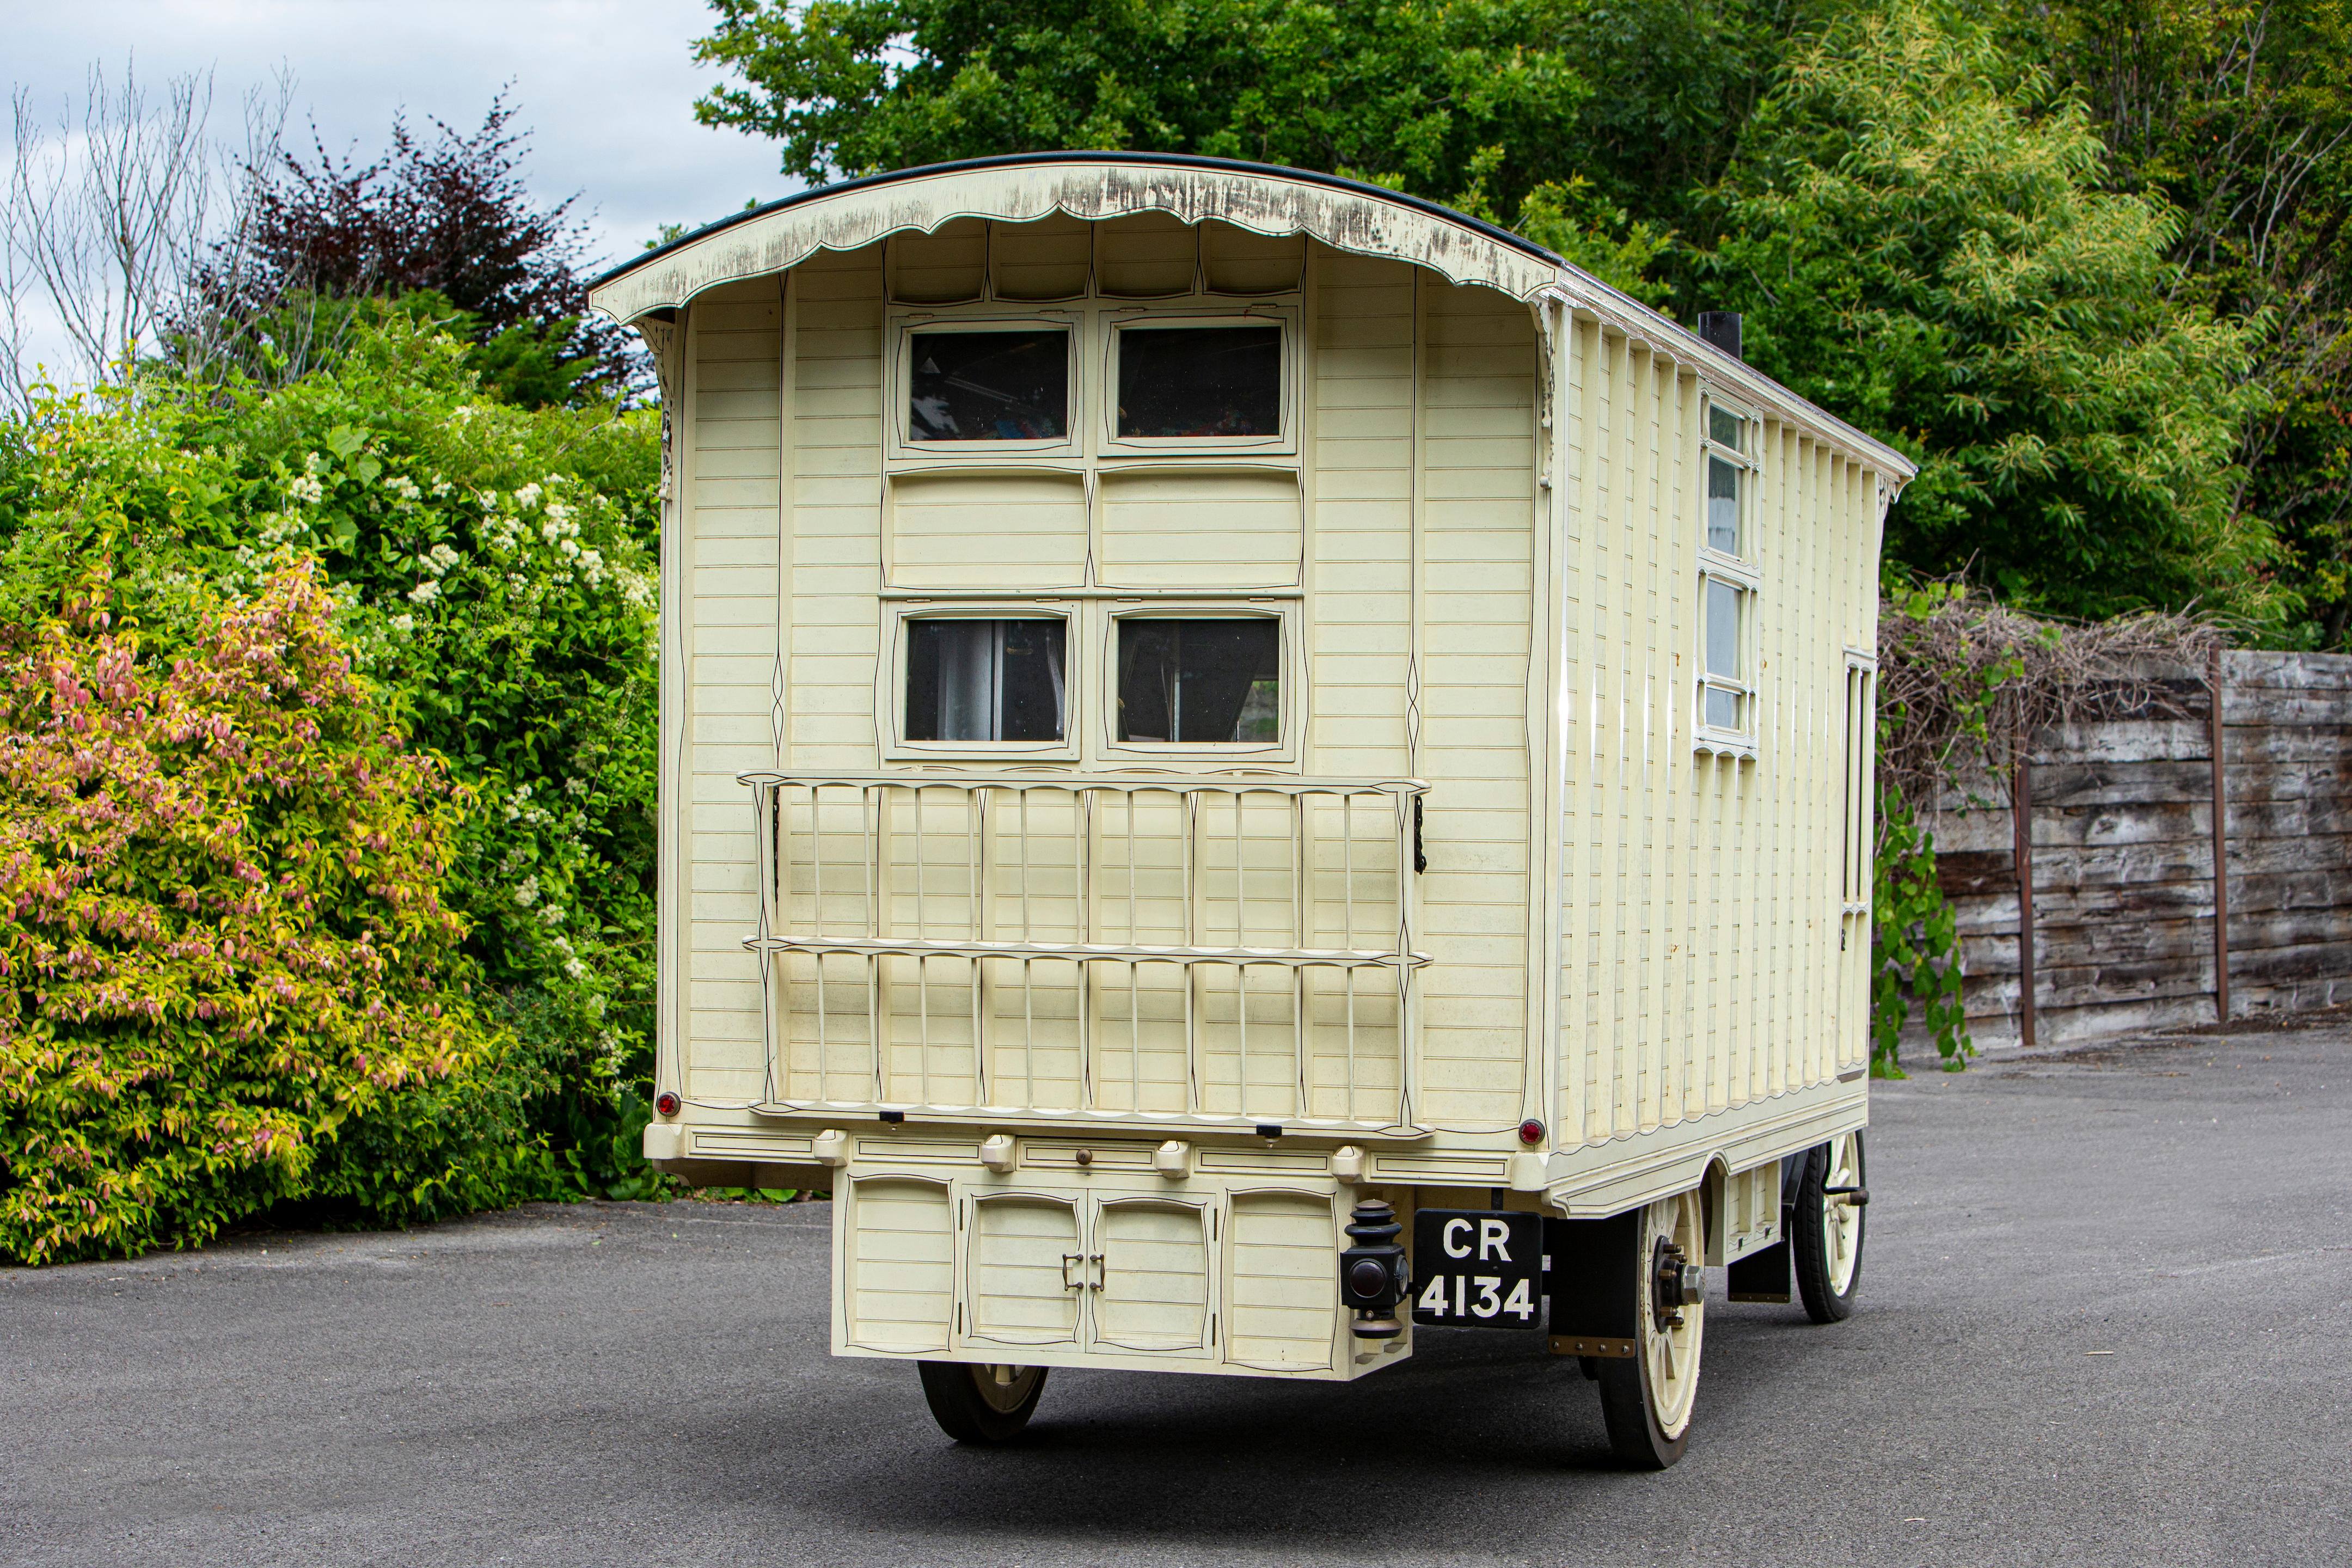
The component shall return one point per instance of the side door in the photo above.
(1026, 1266)
(1152, 1291)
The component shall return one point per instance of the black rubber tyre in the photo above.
(1645, 1399)
(1825, 1234)
(971, 1407)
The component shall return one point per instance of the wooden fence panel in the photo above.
(2121, 836)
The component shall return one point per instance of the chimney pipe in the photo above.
(1721, 328)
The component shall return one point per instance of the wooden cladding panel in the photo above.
(732, 473)
(1361, 537)
(1048, 259)
(1477, 498)
(1145, 255)
(946, 265)
(1012, 529)
(1199, 527)
(836, 432)
(1699, 895)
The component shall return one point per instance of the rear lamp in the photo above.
(666, 1102)
(1531, 1131)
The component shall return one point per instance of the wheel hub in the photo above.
(1675, 1282)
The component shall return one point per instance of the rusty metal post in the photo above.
(2221, 848)
(2021, 802)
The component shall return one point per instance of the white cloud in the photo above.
(606, 88)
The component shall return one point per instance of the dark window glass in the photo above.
(1200, 681)
(1200, 381)
(984, 680)
(990, 386)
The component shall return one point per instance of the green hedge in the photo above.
(486, 575)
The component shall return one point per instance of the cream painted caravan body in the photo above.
(1514, 896)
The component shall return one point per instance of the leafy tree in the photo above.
(1584, 123)
(2239, 113)
(449, 219)
(1916, 228)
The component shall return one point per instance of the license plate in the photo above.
(1477, 1268)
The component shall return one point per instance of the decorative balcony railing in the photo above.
(1079, 948)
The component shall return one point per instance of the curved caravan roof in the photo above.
(1343, 213)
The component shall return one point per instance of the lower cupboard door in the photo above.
(1282, 1286)
(1151, 1287)
(897, 1263)
(1028, 1270)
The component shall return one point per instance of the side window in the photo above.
(970, 679)
(1200, 681)
(1728, 579)
(1002, 386)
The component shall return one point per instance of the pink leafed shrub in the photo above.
(222, 944)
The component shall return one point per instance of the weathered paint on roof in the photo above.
(1346, 214)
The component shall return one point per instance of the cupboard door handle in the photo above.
(1080, 1260)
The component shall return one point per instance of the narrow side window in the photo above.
(985, 680)
(1200, 681)
(1727, 581)
(1861, 742)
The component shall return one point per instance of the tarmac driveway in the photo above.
(2107, 1320)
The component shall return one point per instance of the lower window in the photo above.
(1200, 682)
(985, 680)
(1723, 696)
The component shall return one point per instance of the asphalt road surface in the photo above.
(2107, 1320)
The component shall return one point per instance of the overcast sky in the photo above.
(605, 86)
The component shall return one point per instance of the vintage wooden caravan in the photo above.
(1245, 759)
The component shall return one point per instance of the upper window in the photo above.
(1727, 580)
(1200, 682)
(989, 387)
(1724, 473)
(1200, 382)
(985, 680)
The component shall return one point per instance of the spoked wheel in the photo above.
(1828, 1229)
(1645, 1400)
(975, 1403)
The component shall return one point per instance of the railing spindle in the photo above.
(984, 938)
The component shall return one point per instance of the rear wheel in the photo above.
(1827, 1228)
(1645, 1399)
(977, 1404)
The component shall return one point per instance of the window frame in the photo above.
(890, 689)
(1858, 857)
(1737, 571)
(1118, 320)
(906, 321)
(1289, 658)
